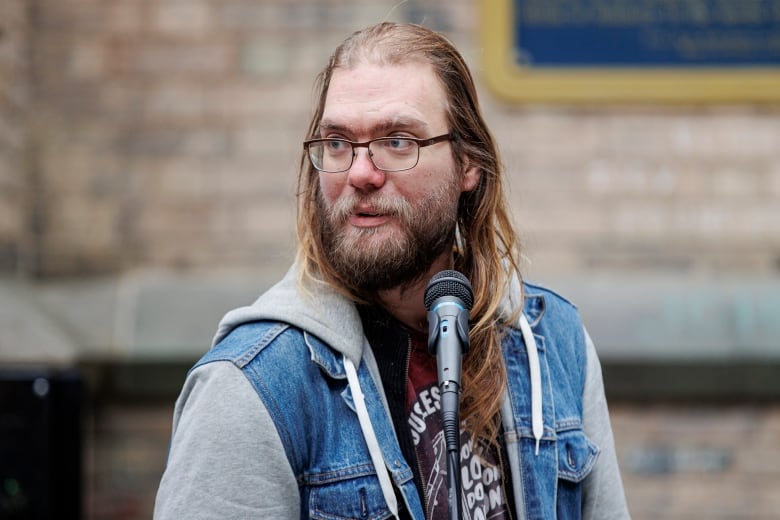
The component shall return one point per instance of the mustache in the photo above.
(383, 204)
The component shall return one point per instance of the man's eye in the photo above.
(336, 146)
(398, 144)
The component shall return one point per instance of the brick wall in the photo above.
(14, 31)
(166, 134)
(683, 189)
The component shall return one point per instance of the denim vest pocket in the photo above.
(576, 455)
(354, 498)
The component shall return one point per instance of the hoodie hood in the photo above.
(324, 312)
(316, 308)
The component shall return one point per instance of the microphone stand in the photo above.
(451, 425)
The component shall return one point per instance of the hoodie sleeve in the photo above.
(603, 495)
(226, 459)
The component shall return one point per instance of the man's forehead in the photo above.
(375, 98)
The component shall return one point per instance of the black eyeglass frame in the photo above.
(421, 143)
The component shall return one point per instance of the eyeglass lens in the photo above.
(389, 154)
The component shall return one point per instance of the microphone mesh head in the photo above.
(449, 283)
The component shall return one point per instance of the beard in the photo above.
(370, 259)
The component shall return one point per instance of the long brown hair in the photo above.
(486, 248)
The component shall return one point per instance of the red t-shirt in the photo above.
(483, 492)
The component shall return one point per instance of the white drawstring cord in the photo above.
(537, 421)
(370, 436)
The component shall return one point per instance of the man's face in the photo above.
(383, 229)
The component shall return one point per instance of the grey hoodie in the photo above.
(219, 418)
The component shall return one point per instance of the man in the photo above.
(320, 400)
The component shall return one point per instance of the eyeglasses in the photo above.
(389, 154)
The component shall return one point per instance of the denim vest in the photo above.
(302, 383)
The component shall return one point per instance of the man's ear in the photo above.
(470, 179)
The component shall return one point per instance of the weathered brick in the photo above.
(14, 107)
(263, 139)
(69, 15)
(124, 17)
(87, 60)
(83, 222)
(12, 216)
(164, 58)
(182, 17)
(773, 182)
(239, 15)
(176, 100)
(729, 491)
(266, 57)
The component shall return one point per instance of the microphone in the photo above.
(448, 300)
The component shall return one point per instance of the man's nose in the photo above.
(363, 174)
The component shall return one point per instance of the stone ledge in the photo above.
(630, 382)
(159, 315)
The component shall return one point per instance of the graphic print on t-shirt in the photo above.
(483, 493)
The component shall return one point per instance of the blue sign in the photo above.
(647, 33)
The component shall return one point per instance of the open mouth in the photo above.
(368, 218)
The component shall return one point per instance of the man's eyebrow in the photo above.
(400, 123)
(328, 125)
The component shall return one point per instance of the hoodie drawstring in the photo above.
(537, 421)
(370, 436)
